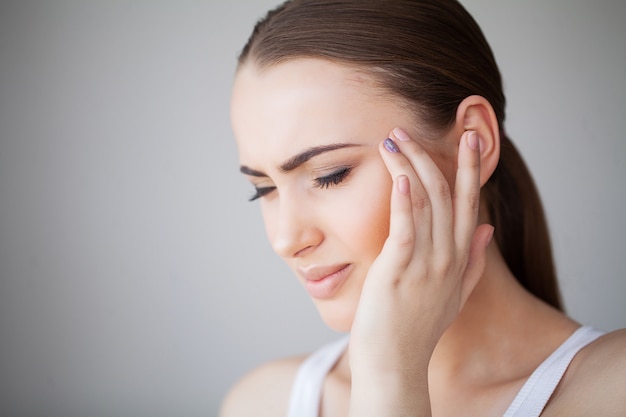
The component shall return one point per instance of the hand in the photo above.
(430, 263)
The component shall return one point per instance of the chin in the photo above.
(338, 315)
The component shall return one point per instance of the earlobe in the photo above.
(476, 113)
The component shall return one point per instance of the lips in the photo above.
(322, 282)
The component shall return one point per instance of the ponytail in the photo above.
(432, 54)
(521, 229)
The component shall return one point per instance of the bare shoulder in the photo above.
(604, 362)
(594, 383)
(263, 392)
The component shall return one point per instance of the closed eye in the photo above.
(333, 179)
(260, 192)
(326, 181)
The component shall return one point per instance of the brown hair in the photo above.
(432, 54)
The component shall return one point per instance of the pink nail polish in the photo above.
(490, 236)
(403, 184)
(472, 140)
(401, 135)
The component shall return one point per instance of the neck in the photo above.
(493, 330)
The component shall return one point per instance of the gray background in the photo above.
(135, 279)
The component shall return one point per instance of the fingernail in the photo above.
(490, 237)
(403, 184)
(391, 146)
(472, 140)
(401, 135)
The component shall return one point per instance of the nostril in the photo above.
(293, 227)
(303, 251)
(296, 242)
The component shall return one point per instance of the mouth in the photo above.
(323, 283)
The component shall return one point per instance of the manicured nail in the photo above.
(391, 146)
(472, 140)
(403, 184)
(401, 135)
(490, 236)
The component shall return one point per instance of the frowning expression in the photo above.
(308, 132)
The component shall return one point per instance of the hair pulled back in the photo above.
(432, 54)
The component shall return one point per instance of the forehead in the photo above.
(300, 75)
(301, 103)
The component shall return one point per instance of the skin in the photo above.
(461, 335)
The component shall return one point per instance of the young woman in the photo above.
(373, 133)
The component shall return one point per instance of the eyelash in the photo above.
(324, 182)
(260, 192)
(333, 179)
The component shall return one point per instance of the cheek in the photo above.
(272, 221)
(364, 218)
(270, 213)
(269, 221)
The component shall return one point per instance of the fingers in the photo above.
(435, 192)
(443, 225)
(410, 222)
(467, 189)
(400, 245)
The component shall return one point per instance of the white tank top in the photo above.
(531, 399)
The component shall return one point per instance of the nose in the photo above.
(293, 229)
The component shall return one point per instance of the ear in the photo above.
(476, 113)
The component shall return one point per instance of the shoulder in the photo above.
(594, 383)
(264, 391)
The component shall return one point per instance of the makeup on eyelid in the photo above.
(322, 158)
(335, 178)
(328, 216)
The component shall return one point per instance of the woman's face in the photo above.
(308, 132)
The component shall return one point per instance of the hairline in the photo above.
(369, 71)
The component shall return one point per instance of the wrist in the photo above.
(396, 393)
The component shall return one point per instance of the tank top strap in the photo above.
(306, 392)
(534, 395)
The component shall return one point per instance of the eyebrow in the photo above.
(299, 159)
